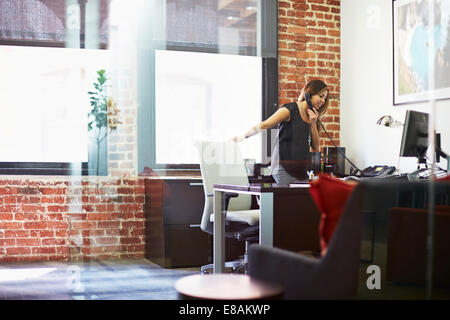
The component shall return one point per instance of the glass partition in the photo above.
(96, 91)
(405, 215)
(98, 96)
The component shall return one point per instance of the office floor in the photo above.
(143, 280)
(95, 280)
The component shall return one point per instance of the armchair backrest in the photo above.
(221, 163)
(341, 260)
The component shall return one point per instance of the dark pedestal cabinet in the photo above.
(173, 209)
(173, 212)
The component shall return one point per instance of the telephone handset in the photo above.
(378, 171)
(308, 100)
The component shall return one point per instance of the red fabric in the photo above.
(330, 195)
(446, 178)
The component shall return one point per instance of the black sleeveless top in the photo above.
(292, 141)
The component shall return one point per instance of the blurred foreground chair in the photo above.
(332, 276)
(222, 163)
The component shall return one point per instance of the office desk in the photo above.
(289, 218)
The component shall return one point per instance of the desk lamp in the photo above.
(388, 121)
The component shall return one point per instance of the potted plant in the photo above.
(103, 114)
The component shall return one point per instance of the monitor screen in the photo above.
(415, 135)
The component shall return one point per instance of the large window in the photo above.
(46, 73)
(203, 74)
(201, 96)
(44, 105)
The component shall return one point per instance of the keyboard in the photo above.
(425, 173)
(387, 177)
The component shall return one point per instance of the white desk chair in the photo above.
(222, 163)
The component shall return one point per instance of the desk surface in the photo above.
(263, 188)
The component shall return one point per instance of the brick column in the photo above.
(309, 48)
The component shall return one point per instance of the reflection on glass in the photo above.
(221, 22)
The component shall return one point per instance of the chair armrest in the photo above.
(295, 272)
(228, 196)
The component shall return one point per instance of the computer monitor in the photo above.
(415, 135)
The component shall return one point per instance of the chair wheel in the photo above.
(242, 268)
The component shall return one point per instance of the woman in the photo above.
(297, 132)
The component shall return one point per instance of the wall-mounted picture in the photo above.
(414, 28)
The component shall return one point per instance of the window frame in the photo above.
(42, 168)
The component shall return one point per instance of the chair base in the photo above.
(238, 266)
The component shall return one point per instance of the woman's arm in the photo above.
(282, 114)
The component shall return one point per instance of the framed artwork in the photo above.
(413, 30)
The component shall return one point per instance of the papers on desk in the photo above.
(299, 184)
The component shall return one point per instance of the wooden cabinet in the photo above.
(173, 209)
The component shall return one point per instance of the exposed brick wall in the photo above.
(309, 48)
(71, 218)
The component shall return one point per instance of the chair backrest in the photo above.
(343, 254)
(221, 163)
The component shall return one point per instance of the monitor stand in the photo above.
(447, 157)
(425, 173)
(440, 153)
(421, 160)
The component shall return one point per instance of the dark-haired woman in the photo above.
(297, 132)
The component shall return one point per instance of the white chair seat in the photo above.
(250, 217)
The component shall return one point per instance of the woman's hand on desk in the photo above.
(237, 139)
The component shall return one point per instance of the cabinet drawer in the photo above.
(184, 202)
(182, 215)
(181, 192)
(186, 246)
